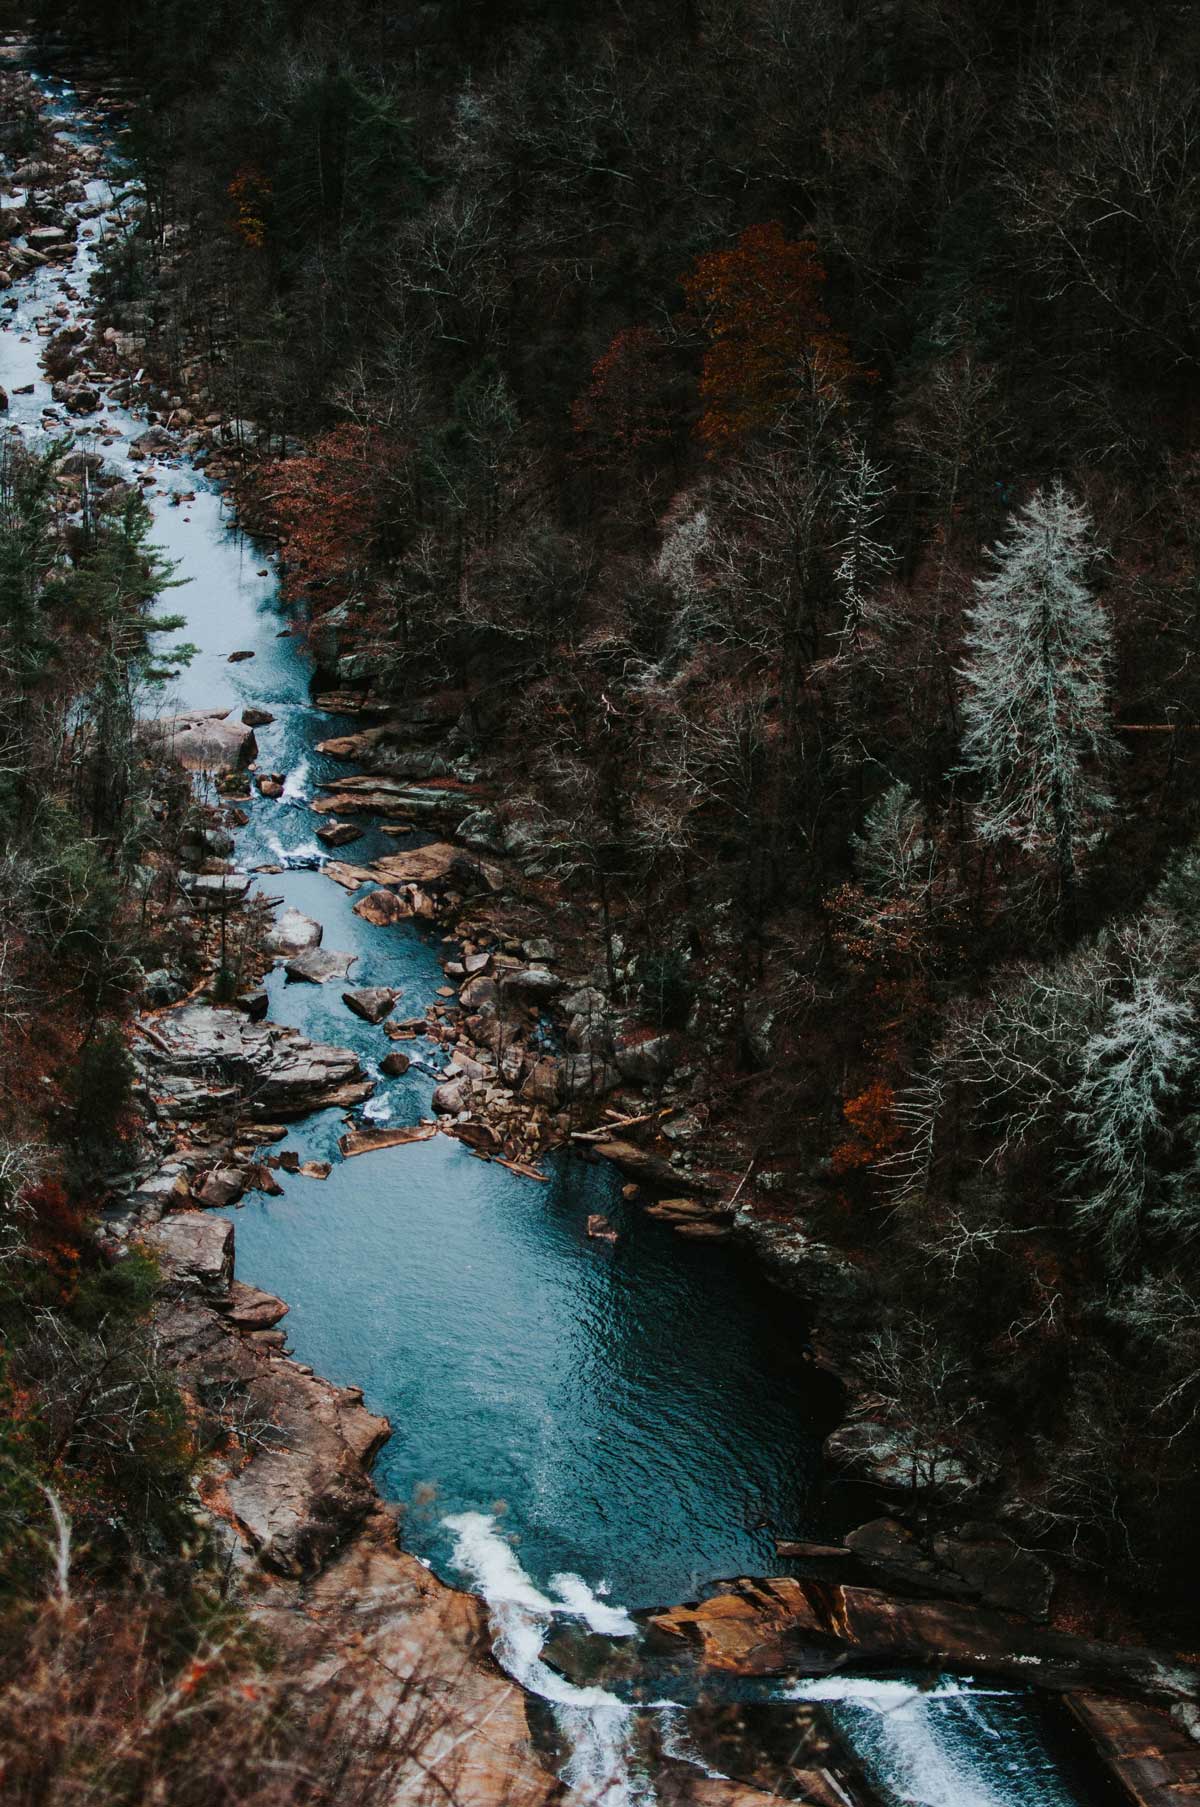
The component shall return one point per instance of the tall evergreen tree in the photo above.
(1036, 699)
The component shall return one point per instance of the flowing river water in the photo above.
(579, 1428)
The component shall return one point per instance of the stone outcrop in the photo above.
(207, 1059)
(785, 1625)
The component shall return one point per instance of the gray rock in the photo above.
(482, 829)
(292, 933)
(318, 965)
(194, 1249)
(205, 1058)
(451, 1097)
(164, 1191)
(220, 1187)
(371, 1002)
(161, 988)
(645, 1063)
(215, 887)
(1012, 1579)
(532, 982)
(205, 740)
(888, 1458)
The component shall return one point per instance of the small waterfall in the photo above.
(948, 1745)
(597, 1726)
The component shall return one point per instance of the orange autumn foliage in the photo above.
(250, 192)
(759, 305)
(871, 1117)
(331, 506)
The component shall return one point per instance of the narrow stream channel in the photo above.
(579, 1429)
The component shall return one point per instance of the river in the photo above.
(579, 1428)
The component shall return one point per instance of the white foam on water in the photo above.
(294, 785)
(578, 1598)
(597, 1726)
(919, 1745)
(377, 1110)
(297, 859)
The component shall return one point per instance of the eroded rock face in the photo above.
(203, 1056)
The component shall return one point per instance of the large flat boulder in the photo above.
(206, 740)
(317, 965)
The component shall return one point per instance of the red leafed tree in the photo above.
(332, 507)
(625, 407)
(871, 1119)
(759, 306)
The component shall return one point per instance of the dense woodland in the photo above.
(780, 418)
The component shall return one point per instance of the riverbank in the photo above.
(516, 1018)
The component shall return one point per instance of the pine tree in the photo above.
(1036, 701)
(1131, 1070)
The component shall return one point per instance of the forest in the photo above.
(780, 421)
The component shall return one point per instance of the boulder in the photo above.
(338, 834)
(204, 1059)
(317, 965)
(293, 933)
(220, 1186)
(480, 994)
(215, 887)
(640, 1164)
(161, 988)
(205, 740)
(161, 1192)
(257, 718)
(451, 1097)
(532, 982)
(1004, 1576)
(251, 1309)
(645, 1062)
(383, 908)
(395, 1064)
(193, 1250)
(371, 1002)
